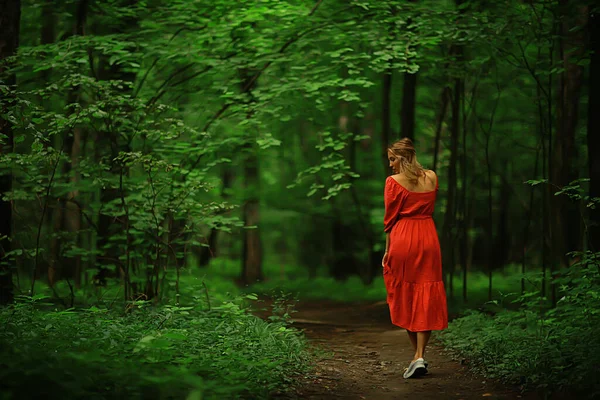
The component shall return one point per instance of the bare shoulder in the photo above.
(431, 177)
(398, 178)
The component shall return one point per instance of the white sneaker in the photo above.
(415, 369)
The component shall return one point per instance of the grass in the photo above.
(201, 348)
(295, 280)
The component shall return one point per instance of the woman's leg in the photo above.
(413, 339)
(422, 340)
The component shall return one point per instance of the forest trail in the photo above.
(366, 356)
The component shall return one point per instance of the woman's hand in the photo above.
(384, 260)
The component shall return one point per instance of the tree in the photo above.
(67, 216)
(10, 18)
(252, 245)
(566, 236)
(409, 104)
(593, 126)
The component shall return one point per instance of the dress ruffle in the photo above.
(417, 307)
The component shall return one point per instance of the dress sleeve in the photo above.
(393, 199)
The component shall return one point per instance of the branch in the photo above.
(177, 32)
(166, 82)
(315, 8)
(179, 82)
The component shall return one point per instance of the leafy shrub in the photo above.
(553, 349)
(151, 353)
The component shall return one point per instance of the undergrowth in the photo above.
(295, 280)
(537, 346)
(166, 352)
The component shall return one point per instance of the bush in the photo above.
(537, 346)
(152, 353)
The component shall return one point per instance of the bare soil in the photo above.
(365, 357)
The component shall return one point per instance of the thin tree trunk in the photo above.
(409, 89)
(502, 234)
(205, 254)
(450, 214)
(593, 128)
(565, 227)
(445, 96)
(528, 217)
(366, 269)
(252, 245)
(490, 227)
(72, 211)
(67, 216)
(464, 209)
(47, 33)
(385, 119)
(54, 216)
(10, 19)
(407, 112)
(566, 235)
(252, 253)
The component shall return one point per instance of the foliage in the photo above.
(537, 346)
(165, 98)
(153, 352)
(141, 126)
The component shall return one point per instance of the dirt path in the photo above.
(366, 357)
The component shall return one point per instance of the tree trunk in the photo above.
(72, 211)
(47, 33)
(346, 238)
(566, 219)
(464, 203)
(445, 96)
(67, 216)
(252, 246)
(252, 252)
(385, 119)
(501, 249)
(490, 217)
(367, 269)
(10, 19)
(407, 112)
(448, 233)
(593, 129)
(54, 214)
(205, 254)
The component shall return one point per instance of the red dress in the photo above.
(413, 271)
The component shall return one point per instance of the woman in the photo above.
(412, 264)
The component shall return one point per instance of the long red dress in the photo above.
(413, 271)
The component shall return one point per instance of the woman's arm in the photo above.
(387, 247)
(387, 241)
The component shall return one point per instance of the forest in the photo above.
(184, 182)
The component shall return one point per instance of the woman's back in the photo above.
(409, 199)
(427, 183)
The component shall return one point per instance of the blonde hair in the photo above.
(406, 153)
